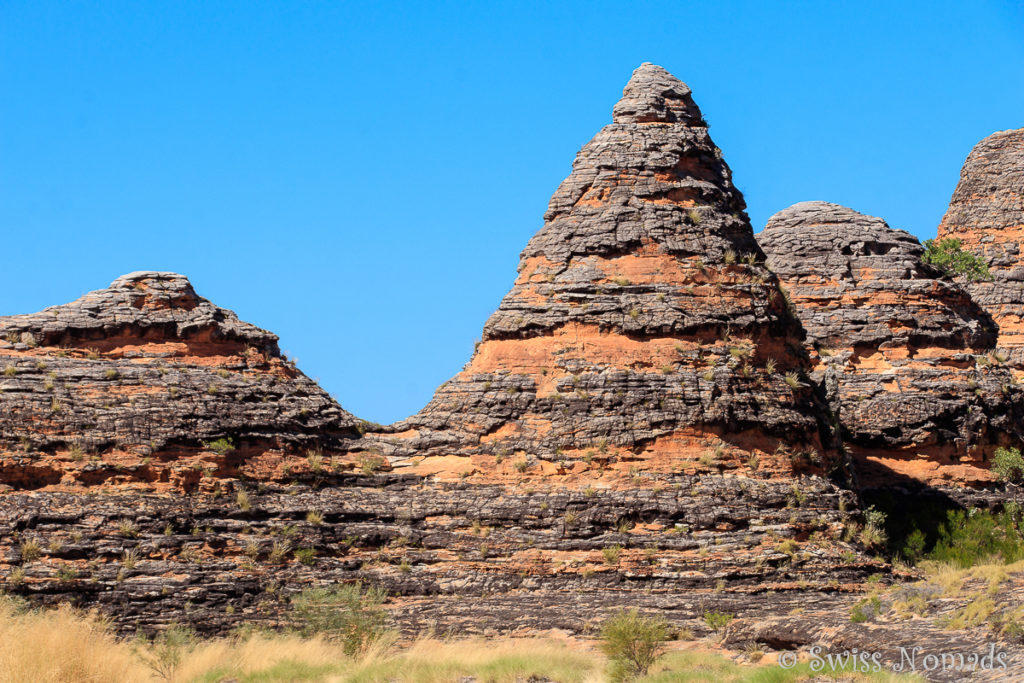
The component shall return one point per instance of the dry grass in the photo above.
(952, 579)
(61, 646)
(499, 661)
(64, 646)
(703, 667)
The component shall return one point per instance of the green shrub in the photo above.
(865, 609)
(970, 537)
(948, 256)
(220, 446)
(914, 546)
(347, 613)
(717, 621)
(306, 556)
(633, 643)
(1008, 464)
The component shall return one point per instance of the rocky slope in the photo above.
(147, 382)
(986, 214)
(647, 421)
(906, 353)
(637, 421)
(643, 323)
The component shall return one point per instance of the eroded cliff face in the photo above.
(643, 325)
(986, 214)
(637, 427)
(147, 383)
(907, 354)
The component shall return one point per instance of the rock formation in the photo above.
(636, 428)
(146, 382)
(643, 325)
(905, 351)
(986, 214)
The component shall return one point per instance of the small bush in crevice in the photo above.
(949, 256)
(1008, 465)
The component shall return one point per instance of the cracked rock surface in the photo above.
(986, 213)
(905, 350)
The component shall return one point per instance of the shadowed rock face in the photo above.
(643, 318)
(128, 383)
(986, 214)
(899, 346)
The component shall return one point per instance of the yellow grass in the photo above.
(64, 646)
(952, 578)
(61, 645)
(497, 661)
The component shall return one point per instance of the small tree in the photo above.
(346, 613)
(165, 654)
(949, 256)
(1008, 465)
(633, 643)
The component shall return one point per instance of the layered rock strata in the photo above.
(637, 427)
(986, 214)
(643, 325)
(905, 351)
(146, 382)
(454, 556)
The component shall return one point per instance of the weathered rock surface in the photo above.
(643, 424)
(626, 427)
(643, 321)
(986, 214)
(132, 383)
(905, 351)
(458, 556)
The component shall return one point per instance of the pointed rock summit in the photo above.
(986, 214)
(653, 95)
(133, 383)
(899, 345)
(643, 321)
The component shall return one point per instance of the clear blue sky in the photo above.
(361, 178)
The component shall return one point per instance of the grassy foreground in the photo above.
(62, 645)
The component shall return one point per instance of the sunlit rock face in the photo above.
(643, 320)
(130, 384)
(904, 350)
(986, 214)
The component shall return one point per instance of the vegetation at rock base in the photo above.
(941, 532)
(717, 621)
(949, 256)
(633, 643)
(348, 614)
(65, 646)
(220, 446)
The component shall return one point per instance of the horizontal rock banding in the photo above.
(642, 313)
(907, 351)
(131, 384)
(986, 214)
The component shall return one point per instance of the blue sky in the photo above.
(360, 178)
